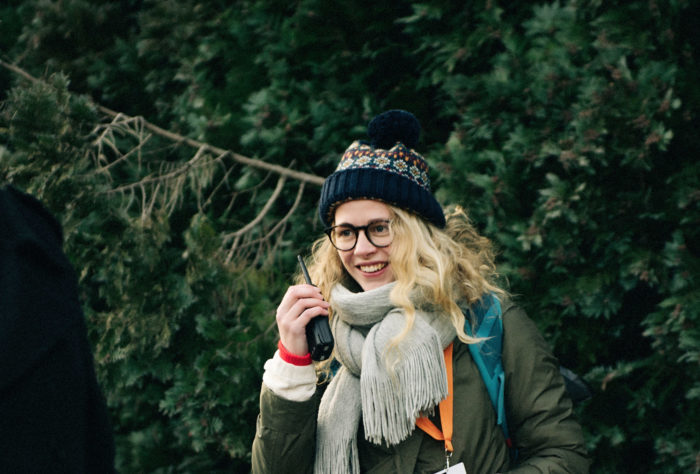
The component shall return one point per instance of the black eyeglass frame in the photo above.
(356, 230)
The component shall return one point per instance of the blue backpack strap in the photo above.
(488, 324)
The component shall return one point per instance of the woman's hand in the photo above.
(300, 304)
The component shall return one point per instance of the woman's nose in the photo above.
(363, 246)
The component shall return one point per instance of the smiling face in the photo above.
(367, 264)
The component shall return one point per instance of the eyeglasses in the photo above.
(344, 236)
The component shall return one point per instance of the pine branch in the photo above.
(177, 138)
(124, 147)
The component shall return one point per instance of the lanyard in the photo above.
(445, 408)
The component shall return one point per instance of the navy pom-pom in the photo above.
(394, 126)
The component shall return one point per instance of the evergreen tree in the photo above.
(566, 129)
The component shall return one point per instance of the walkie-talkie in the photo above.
(318, 332)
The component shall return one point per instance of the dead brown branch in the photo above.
(250, 225)
(159, 186)
(177, 138)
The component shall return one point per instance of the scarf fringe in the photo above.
(331, 457)
(390, 405)
(336, 428)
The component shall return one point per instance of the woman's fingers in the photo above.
(295, 293)
(300, 304)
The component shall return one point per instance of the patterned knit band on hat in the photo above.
(387, 169)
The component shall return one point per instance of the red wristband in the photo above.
(291, 358)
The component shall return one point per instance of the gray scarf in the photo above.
(387, 400)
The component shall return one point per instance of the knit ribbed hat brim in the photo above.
(381, 185)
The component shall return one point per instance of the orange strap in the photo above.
(445, 408)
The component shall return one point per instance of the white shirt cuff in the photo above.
(296, 383)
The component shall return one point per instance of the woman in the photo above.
(394, 277)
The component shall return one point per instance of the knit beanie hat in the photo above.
(387, 169)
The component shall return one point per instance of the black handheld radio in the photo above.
(318, 332)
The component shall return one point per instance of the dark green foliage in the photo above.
(567, 129)
(179, 334)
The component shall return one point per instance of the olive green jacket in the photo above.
(548, 438)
